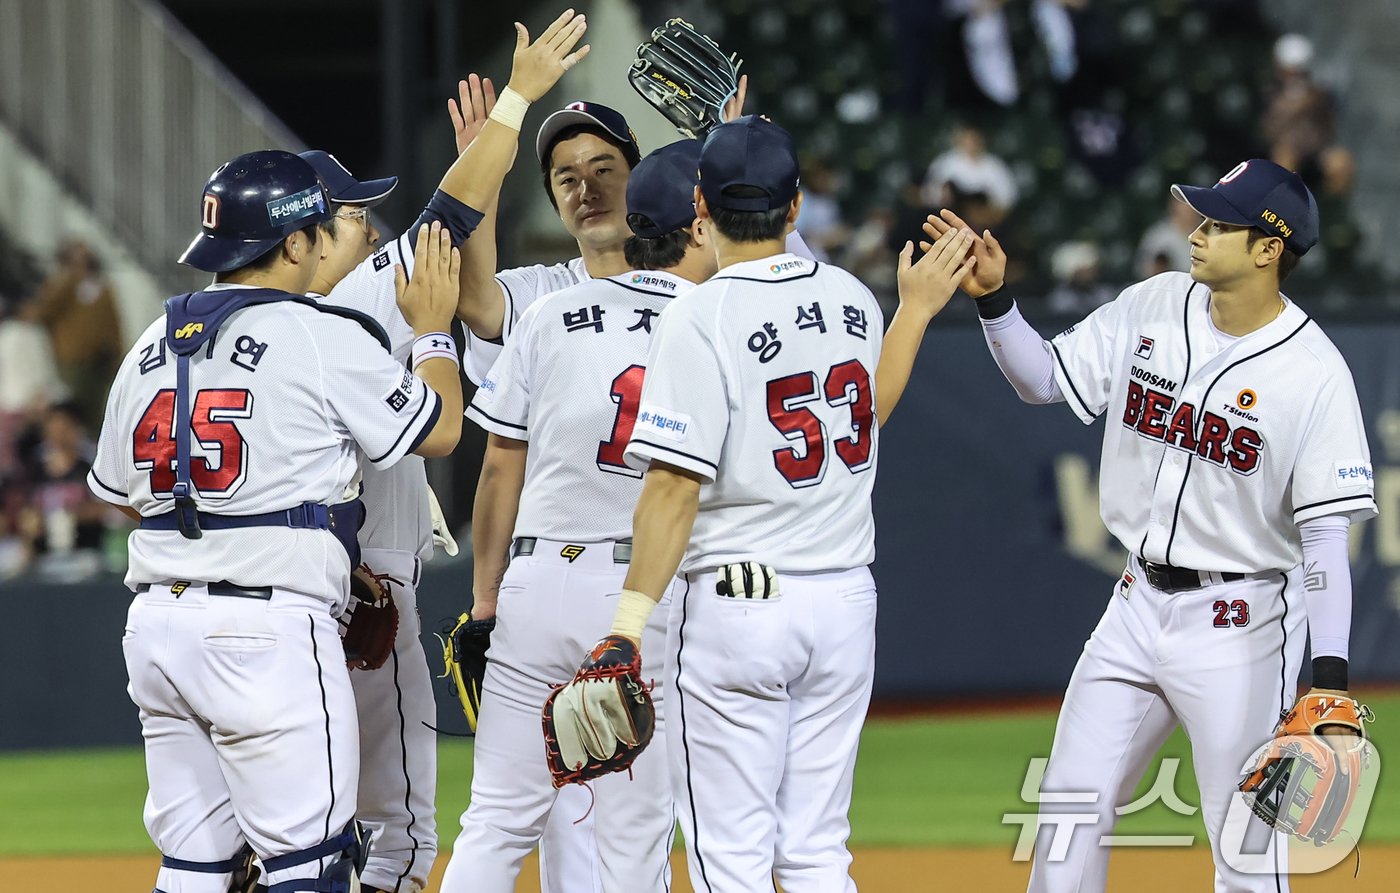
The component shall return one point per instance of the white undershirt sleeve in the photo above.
(1327, 584)
(1024, 357)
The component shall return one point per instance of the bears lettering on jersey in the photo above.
(1158, 416)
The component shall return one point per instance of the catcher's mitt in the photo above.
(464, 645)
(371, 621)
(685, 76)
(1300, 784)
(603, 719)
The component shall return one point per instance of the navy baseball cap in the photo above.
(752, 152)
(343, 188)
(250, 204)
(590, 114)
(1263, 195)
(661, 190)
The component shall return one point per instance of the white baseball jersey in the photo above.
(282, 404)
(521, 287)
(570, 382)
(762, 381)
(1215, 448)
(396, 499)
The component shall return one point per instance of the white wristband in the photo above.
(510, 109)
(633, 609)
(434, 346)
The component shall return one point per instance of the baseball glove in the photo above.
(685, 76)
(464, 645)
(371, 621)
(603, 719)
(1300, 784)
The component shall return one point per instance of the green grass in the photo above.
(919, 782)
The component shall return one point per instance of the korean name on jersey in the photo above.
(570, 382)
(762, 381)
(282, 403)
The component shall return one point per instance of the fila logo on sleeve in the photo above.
(1144, 348)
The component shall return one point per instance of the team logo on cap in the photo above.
(1246, 399)
(1235, 172)
(210, 213)
(579, 106)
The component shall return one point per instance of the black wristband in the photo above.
(1329, 672)
(995, 305)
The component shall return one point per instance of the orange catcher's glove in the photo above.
(1305, 783)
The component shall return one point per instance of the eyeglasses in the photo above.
(361, 213)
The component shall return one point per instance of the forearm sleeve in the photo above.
(1327, 584)
(1023, 356)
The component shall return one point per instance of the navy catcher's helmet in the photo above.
(252, 203)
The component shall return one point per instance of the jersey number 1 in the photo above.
(153, 443)
(627, 394)
(846, 384)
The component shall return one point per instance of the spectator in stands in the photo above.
(1078, 290)
(64, 524)
(1165, 246)
(76, 304)
(28, 379)
(820, 223)
(968, 170)
(1300, 122)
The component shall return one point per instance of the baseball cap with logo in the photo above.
(588, 114)
(1263, 195)
(661, 190)
(748, 152)
(343, 188)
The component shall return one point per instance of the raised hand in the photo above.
(429, 301)
(538, 66)
(926, 286)
(477, 98)
(990, 272)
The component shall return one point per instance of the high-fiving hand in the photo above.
(990, 272)
(926, 285)
(477, 96)
(429, 300)
(538, 66)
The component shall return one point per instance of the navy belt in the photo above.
(307, 516)
(343, 520)
(225, 588)
(1169, 578)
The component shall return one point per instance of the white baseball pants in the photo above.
(1223, 661)
(249, 722)
(767, 701)
(552, 610)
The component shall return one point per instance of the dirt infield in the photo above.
(876, 871)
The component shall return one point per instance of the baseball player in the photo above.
(757, 432)
(233, 430)
(398, 765)
(559, 405)
(586, 152)
(1234, 460)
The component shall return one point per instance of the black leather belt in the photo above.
(1168, 578)
(223, 587)
(525, 545)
